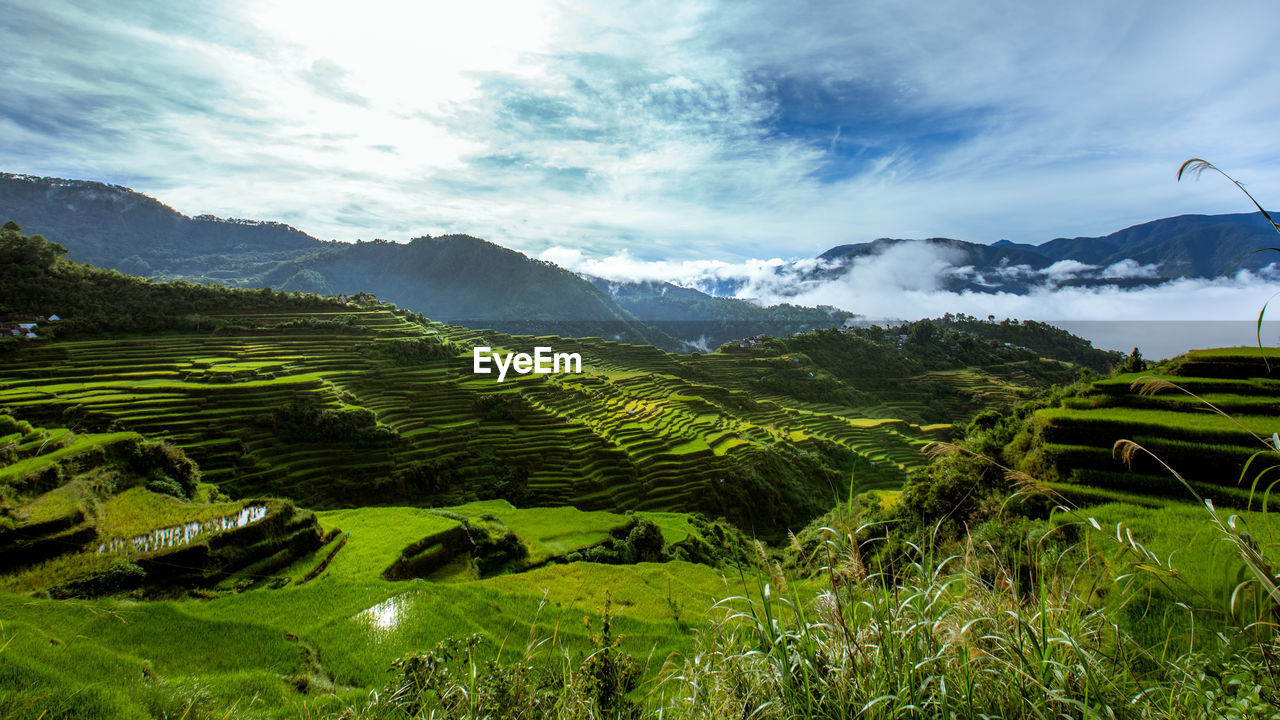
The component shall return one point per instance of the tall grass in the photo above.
(941, 641)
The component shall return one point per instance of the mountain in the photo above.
(456, 278)
(114, 227)
(1182, 246)
(467, 281)
(973, 267)
(1198, 246)
(706, 321)
(973, 253)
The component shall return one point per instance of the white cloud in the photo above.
(1067, 269)
(568, 258)
(1128, 268)
(705, 275)
(905, 282)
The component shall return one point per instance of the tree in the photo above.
(1134, 363)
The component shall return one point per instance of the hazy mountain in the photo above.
(973, 253)
(979, 268)
(1200, 246)
(1182, 246)
(114, 227)
(456, 278)
(453, 279)
(708, 321)
(467, 281)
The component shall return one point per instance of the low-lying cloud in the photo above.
(908, 281)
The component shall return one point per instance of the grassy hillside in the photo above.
(297, 608)
(338, 404)
(1072, 442)
(323, 640)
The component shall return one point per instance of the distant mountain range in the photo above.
(1193, 246)
(456, 278)
(466, 280)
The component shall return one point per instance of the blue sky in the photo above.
(683, 131)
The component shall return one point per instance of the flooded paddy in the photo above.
(178, 535)
(386, 615)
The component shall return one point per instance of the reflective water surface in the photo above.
(176, 535)
(386, 615)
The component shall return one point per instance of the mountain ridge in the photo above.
(463, 279)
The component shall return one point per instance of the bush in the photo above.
(165, 486)
(642, 543)
(416, 350)
(505, 408)
(164, 465)
(305, 420)
(121, 576)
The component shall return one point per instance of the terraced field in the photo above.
(638, 429)
(313, 641)
(1211, 450)
(99, 513)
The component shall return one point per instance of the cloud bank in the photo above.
(906, 281)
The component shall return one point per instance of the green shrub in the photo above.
(305, 420)
(642, 543)
(164, 463)
(121, 576)
(165, 486)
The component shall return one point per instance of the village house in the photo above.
(23, 326)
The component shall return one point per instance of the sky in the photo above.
(729, 132)
(685, 130)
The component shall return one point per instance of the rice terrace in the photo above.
(720, 363)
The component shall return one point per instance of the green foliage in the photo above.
(37, 279)
(940, 641)
(304, 420)
(1132, 364)
(451, 680)
(783, 485)
(716, 543)
(642, 543)
(339, 323)
(609, 673)
(121, 576)
(1042, 338)
(502, 408)
(165, 465)
(165, 486)
(494, 547)
(415, 350)
(433, 680)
